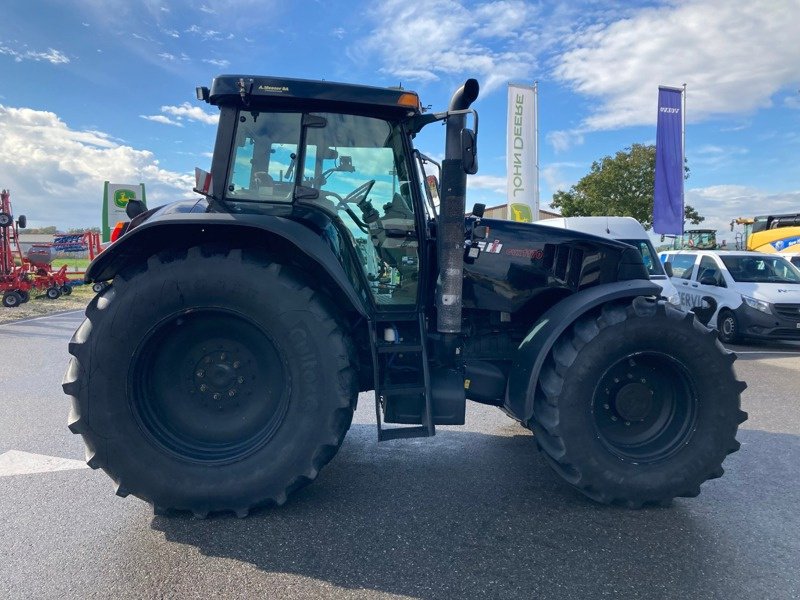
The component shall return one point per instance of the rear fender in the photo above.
(275, 234)
(537, 344)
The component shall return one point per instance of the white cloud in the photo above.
(491, 40)
(171, 33)
(56, 173)
(207, 10)
(167, 56)
(720, 204)
(161, 119)
(51, 55)
(217, 62)
(563, 140)
(734, 55)
(193, 113)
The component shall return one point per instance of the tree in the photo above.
(621, 186)
(41, 230)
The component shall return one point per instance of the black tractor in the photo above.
(219, 366)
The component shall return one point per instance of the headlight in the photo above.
(757, 304)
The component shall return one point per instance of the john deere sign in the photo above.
(115, 199)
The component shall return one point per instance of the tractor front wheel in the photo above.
(230, 390)
(66, 289)
(53, 293)
(638, 404)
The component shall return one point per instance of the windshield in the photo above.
(353, 167)
(761, 269)
(649, 257)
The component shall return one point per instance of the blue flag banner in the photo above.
(668, 193)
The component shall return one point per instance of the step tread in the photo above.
(396, 433)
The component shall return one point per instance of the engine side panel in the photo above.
(520, 261)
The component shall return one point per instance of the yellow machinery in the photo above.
(770, 233)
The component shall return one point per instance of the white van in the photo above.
(623, 229)
(755, 295)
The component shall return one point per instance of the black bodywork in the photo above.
(526, 286)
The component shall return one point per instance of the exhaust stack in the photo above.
(450, 235)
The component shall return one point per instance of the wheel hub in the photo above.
(634, 401)
(213, 386)
(644, 407)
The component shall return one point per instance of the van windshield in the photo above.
(761, 269)
(649, 256)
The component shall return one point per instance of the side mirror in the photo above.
(668, 269)
(478, 209)
(708, 280)
(22, 222)
(469, 151)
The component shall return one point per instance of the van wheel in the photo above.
(728, 327)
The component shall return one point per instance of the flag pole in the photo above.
(536, 146)
(683, 161)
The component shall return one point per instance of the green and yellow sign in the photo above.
(115, 199)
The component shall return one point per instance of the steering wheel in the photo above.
(341, 204)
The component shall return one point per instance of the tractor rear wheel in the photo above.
(53, 293)
(11, 299)
(66, 289)
(638, 404)
(229, 391)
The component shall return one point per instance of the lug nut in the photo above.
(240, 379)
(217, 396)
(200, 373)
(222, 356)
(236, 364)
(628, 423)
(231, 393)
(203, 387)
(606, 406)
(614, 418)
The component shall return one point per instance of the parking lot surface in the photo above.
(474, 512)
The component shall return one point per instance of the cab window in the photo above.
(682, 265)
(709, 270)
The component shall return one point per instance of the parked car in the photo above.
(756, 295)
(622, 229)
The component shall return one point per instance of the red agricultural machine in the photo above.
(21, 274)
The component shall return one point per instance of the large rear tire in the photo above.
(210, 380)
(638, 404)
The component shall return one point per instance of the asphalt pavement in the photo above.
(474, 512)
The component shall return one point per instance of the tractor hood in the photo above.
(520, 261)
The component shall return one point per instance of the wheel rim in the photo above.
(209, 386)
(645, 407)
(728, 326)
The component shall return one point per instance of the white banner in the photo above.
(522, 161)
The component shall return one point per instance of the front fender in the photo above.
(537, 344)
(279, 235)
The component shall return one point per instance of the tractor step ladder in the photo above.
(385, 385)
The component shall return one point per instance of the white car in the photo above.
(622, 229)
(753, 295)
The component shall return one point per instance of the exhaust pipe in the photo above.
(450, 235)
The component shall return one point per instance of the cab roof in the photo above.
(281, 92)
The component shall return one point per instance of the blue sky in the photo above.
(94, 90)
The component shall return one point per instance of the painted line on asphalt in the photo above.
(789, 352)
(58, 314)
(15, 462)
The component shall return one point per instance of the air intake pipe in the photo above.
(450, 234)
